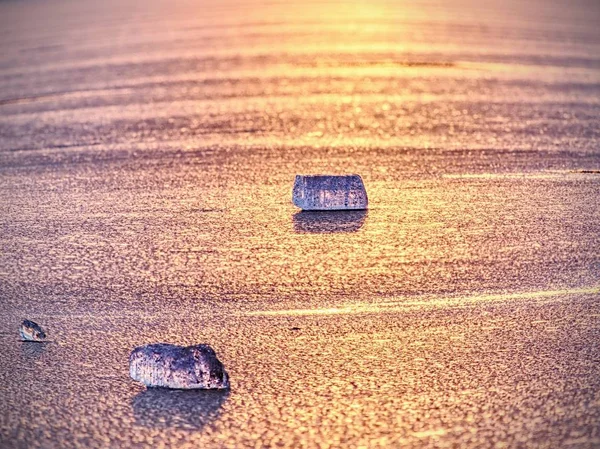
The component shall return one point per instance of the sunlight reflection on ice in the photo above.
(403, 305)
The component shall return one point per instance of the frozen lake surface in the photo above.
(147, 158)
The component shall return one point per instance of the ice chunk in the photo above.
(329, 192)
(182, 367)
(31, 331)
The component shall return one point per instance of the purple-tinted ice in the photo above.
(181, 367)
(31, 331)
(329, 192)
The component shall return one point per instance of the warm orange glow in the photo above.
(148, 151)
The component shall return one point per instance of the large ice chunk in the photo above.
(182, 367)
(329, 192)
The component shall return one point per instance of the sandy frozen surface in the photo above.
(147, 157)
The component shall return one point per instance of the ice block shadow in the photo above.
(182, 409)
(33, 349)
(329, 222)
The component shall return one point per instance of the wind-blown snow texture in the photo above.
(147, 155)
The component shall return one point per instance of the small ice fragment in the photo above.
(31, 331)
(181, 367)
(329, 192)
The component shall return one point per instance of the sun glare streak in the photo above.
(440, 302)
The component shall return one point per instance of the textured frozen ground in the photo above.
(147, 156)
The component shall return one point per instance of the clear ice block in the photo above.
(30, 331)
(181, 367)
(329, 192)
